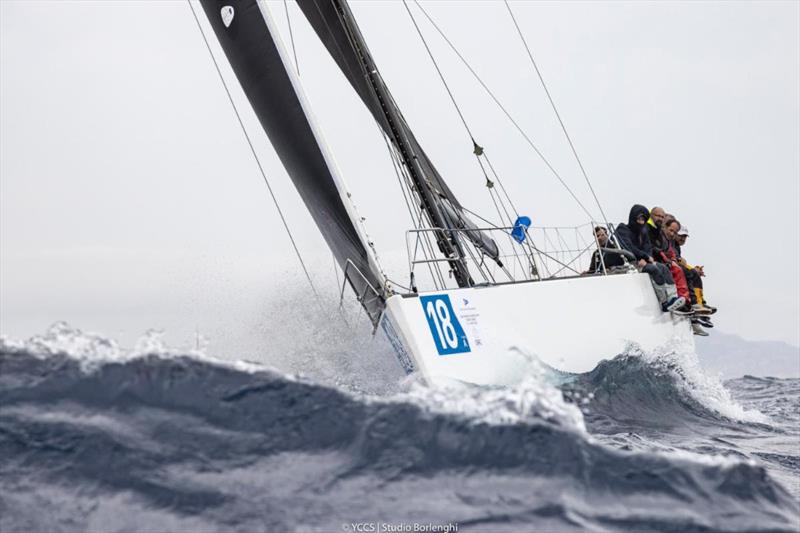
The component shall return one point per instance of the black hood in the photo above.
(637, 210)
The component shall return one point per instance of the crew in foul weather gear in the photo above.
(667, 255)
(694, 275)
(655, 223)
(635, 238)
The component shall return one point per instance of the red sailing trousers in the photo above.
(680, 281)
(677, 274)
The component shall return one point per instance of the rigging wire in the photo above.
(500, 183)
(441, 76)
(476, 215)
(373, 76)
(555, 110)
(414, 211)
(504, 110)
(255, 156)
(402, 181)
(477, 149)
(297, 70)
(291, 37)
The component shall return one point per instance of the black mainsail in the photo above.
(253, 48)
(336, 27)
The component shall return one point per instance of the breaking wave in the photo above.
(152, 438)
(663, 387)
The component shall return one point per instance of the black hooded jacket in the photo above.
(634, 237)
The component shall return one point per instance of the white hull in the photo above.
(569, 324)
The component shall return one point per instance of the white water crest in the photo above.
(680, 359)
(533, 400)
(93, 350)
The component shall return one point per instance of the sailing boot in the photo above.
(680, 308)
(702, 307)
(702, 310)
(673, 302)
(697, 330)
(704, 321)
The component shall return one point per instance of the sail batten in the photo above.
(253, 47)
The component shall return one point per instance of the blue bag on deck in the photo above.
(522, 224)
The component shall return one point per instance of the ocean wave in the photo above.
(183, 440)
(662, 387)
(534, 399)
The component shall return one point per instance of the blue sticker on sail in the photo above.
(448, 335)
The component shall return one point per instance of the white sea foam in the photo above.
(93, 350)
(681, 360)
(533, 400)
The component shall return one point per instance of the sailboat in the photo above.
(482, 300)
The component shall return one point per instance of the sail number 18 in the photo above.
(448, 335)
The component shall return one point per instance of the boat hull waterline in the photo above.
(489, 335)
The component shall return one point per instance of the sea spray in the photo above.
(534, 398)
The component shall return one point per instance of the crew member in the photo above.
(635, 238)
(694, 275)
(655, 223)
(610, 259)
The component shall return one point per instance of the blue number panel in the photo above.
(448, 335)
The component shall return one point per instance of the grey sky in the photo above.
(130, 199)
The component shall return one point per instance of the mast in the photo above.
(430, 201)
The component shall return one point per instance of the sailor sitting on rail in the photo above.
(634, 237)
(694, 276)
(654, 223)
(610, 259)
(664, 252)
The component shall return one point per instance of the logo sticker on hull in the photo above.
(448, 335)
(467, 312)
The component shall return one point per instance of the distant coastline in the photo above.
(733, 357)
